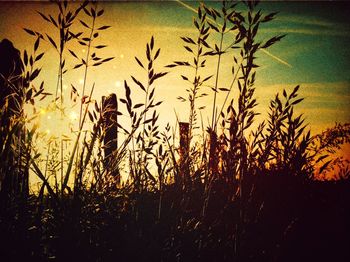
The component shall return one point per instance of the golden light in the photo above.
(73, 115)
(118, 84)
(65, 87)
(48, 117)
(81, 81)
(121, 56)
(48, 131)
(42, 111)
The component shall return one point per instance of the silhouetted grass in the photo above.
(239, 194)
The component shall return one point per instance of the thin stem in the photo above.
(228, 93)
(133, 152)
(58, 84)
(47, 159)
(142, 164)
(216, 82)
(144, 117)
(194, 93)
(84, 82)
(86, 69)
(61, 109)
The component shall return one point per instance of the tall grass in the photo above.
(187, 201)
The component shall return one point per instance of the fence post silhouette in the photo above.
(184, 154)
(213, 153)
(110, 130)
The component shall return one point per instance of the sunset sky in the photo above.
(175, 130)
(315, 54)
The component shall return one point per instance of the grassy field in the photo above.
(229, 190)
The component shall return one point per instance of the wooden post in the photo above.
(184, 153)
(213, 154)
(110, 129)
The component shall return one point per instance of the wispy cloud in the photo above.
(340, 90)
(307, 31)
(326, 90)
(312, 21)
(299, 24)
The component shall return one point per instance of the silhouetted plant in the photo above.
(213, 199)
(322, 149)
(283, 147)
(196, 47)
(65, 19)
(17, 90)
(148, 137)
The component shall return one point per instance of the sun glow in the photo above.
(73, 115)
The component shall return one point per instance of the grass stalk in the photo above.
(213, 122)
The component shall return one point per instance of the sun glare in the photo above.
(73, 115)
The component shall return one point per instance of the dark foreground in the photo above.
(285, 219)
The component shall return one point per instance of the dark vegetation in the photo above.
(228, 193)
